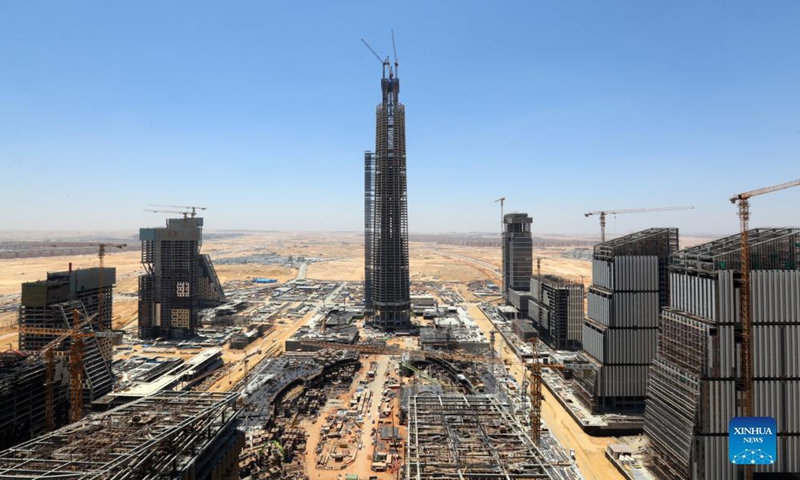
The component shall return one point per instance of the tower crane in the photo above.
(603, 214)
(101, 253)
(743, 200)
(193, 209)
(384, 62)
(77, 333)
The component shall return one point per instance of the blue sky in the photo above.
(261, 111)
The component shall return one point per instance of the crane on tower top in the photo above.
(185, 213)
(603, 214)
(385, 61)
(743, 199)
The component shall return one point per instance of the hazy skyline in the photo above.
(262, 111)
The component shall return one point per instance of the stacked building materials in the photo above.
(695, 380)
(556, 309)
(630, 285)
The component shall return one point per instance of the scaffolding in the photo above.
(770, 249)
(169, 435)
(469, 436)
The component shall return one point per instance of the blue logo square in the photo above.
(752, 440)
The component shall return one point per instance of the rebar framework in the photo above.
(468, 436)
(169, 435)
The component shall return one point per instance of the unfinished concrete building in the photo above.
(22, 396)
(178, 280)
(49, 304)
(556, 309)
(694, 384)
(469, 436)
(517, 254)
(390, 275)
(187, 435)
(629, 287)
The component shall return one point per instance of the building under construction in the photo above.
(388, 278)
(456, 436)
(49, 304)
(187, 435)
(629, 286)
(369, 230)
(22, 396)
(556, 308)
(694, 386)
(178, 279)
(517, 254)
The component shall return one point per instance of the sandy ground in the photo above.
(589, 451)
(270, 345)
(362, 466)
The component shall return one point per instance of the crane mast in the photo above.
(743, 200)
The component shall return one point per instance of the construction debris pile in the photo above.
(283, 391)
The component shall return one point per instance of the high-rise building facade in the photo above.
(517, 253)
(369, 231)
(695, 383)
(178, 280)
(629, 287)
(390, 287)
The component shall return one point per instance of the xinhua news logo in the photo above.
(752, 440)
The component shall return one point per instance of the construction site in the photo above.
(380, 355)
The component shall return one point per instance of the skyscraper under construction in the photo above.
(386, 271)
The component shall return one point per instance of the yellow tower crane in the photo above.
(743, 199)
(76, 333)
(603, 214)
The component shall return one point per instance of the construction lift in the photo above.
(603, 214)
(743, 199)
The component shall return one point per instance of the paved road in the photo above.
(301, 272)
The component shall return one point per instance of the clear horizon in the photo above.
(262, 112)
